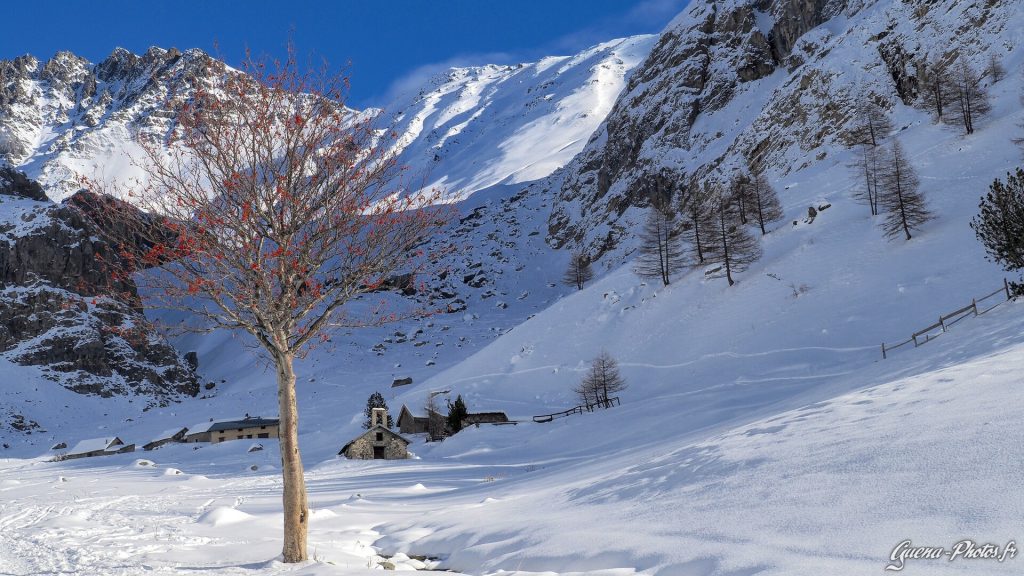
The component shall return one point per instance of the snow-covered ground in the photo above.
(762, 432)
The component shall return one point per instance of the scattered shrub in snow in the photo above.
(601, 382)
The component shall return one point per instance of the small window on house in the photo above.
(263, 427)
(240, 429)
(248, 436)
(380, 436)
(263, 435)
(221, 439)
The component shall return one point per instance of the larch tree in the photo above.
(278, 207)
(999, 224)
(937, 89)
(900, 195)
(739, 188)
(871, 129)
(695, 207)
(578, 272)
(994, 68)
(729, 242)
(764, 200)
(602, 380)
(661, 252)
(971, 96)
(437, 423)
(871, 123)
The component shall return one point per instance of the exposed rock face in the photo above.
(769, 81)
(60, 310)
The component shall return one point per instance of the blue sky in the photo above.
(390, 43)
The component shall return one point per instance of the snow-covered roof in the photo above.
(247, 422)
(94, 444)
(170, 433)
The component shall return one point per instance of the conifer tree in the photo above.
(994, 69)
(695, 207)
(999, 224)
(871, 124)
(661, 251)
(376, 400)
(579, 271)
(900, 196)
(602, 381)
(456, 414)
(729, 241)
(763, 199)
(938, 91)
(971, 96)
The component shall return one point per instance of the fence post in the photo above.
(942, 323)
(883, 350)
(915, 341)
(1006, 286)
(974, 304)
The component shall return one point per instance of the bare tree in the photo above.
(938, 91)
(871, 123)
(695, 206)
(765, 200)
(868, 164)
(732, 245)
(971, 96)
(279, 206)
(900, 196)
(994, 69)
(661, 251)
(436, 429)
(603, 380)
(739, 188)
(579, 271)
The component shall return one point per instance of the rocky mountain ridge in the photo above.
(61, 312)
(769, 81)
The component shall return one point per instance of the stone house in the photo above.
(377, 443)
(97, 447)
(166, 437)
(410, 423)
(218, 431)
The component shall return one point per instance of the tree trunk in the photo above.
(296, 511)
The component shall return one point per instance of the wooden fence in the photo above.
(932, 332)
(614, 401)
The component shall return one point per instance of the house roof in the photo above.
(167, 434)
(94, 444)
(218, 425)
(377, 428)
(422, 414)
(484, 417)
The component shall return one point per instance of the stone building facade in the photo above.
(377, 443)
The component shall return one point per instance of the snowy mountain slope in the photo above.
(472, 128)
(468, 129)
(772, 82)
(762, 433)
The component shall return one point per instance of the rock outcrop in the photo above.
(60, 310)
